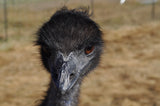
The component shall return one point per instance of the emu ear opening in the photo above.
(46, 51)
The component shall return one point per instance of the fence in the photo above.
(7, 3)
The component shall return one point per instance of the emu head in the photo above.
(70, 47)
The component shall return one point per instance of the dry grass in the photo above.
(129, 72)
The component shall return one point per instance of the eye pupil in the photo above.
(89, 49)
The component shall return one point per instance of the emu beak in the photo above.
(66, 78)
(66, 75)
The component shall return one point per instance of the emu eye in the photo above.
(46, 51)
(89, 49)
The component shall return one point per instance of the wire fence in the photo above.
(5, 4)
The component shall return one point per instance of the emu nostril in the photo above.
(56, 76)
(72, 76)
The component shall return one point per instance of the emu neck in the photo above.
(55, 98)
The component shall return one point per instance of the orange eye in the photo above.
(89, 49)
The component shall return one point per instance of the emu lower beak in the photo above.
(66, 77)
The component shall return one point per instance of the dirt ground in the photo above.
(129, 72)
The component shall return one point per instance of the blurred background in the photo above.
(129, 72)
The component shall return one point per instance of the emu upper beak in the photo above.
(66, 75)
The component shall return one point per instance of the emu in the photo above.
(70, 47)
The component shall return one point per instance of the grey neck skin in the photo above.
(54, 98)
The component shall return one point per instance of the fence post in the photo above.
(13, 2)
(92, 7)
(5, 19)
(153, 9)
